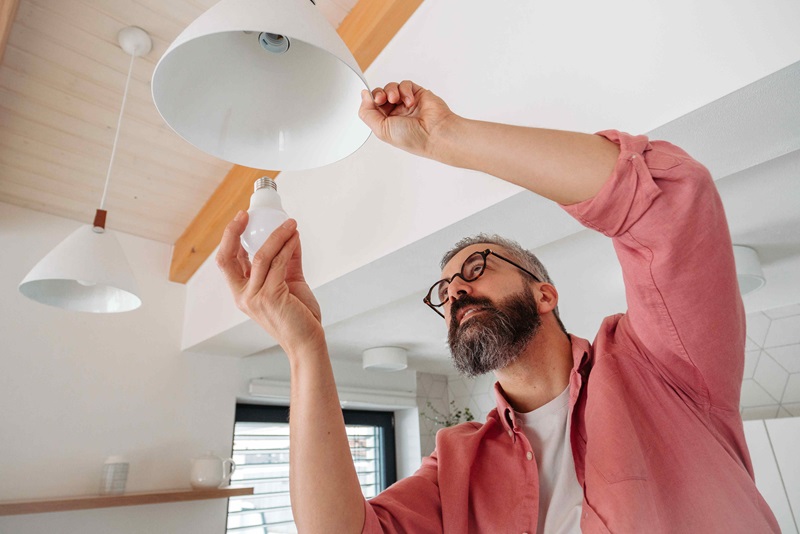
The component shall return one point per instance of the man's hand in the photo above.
(272, 290)
(404, 115)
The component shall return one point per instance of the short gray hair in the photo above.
(518, 253)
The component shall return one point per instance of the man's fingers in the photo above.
(229, 249)
(369, 112)
(406, 89)
(244, 261)
(262, 261)
(379, 96)
(295, 273)
(278, 268)
(392, 93)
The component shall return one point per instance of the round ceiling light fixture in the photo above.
(748, 269)
(385, 359)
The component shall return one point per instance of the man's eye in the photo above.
(475, 270)
(442, 292)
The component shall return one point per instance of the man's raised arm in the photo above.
(566, 167)
(325, 492)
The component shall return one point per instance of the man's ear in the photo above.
(546, 298)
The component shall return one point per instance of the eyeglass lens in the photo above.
(471, 269)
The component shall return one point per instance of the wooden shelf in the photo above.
(86, 502)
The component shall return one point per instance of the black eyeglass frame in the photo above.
(484, 254)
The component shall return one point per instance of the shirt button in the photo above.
(529, 456)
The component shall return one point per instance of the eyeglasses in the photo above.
(472, 269)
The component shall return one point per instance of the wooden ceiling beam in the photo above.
(366, 30)
(8, 12)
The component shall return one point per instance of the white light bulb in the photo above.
(265, 215)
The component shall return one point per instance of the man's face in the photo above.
(491, 319)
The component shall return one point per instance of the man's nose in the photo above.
(458, 287)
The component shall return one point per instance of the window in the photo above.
(261, 453)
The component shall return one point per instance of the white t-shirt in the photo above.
(560, 495)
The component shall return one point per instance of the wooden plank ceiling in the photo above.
(61, 81)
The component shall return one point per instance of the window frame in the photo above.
(385, 420)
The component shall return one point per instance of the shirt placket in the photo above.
(524, 452)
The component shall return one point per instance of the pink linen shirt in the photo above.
(656, 434)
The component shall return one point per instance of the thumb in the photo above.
(369, 112)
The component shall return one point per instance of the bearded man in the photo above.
(638, 431)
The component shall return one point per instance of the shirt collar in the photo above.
(581, 362)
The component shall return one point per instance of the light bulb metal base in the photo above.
(265, 181)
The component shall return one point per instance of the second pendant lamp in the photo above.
(88, 270)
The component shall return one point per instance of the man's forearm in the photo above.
(566, 167)
(325, 492)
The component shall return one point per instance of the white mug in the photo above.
(211, 471)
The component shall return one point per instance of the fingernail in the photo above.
(239, 216)
(408, 102)
(288, 223)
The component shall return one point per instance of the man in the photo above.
(636, 432)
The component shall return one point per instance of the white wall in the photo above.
(431, 388)
(76, 388)
(771, 386)
(772, 447)
(784, 435)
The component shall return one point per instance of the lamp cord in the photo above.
(116, 135)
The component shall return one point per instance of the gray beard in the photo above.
(496, 337)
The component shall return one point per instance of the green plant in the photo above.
(450, 419)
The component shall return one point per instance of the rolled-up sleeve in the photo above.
(626, 196)
(410, 505)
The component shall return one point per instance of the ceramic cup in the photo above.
(211, 471)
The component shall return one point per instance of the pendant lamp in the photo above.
(88, 271)
(266, 84)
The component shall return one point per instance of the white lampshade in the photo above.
(385, 359)
(223, 92)
(85, 272)
(748, 269)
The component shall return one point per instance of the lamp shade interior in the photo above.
(223, 92)
(86, 272)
